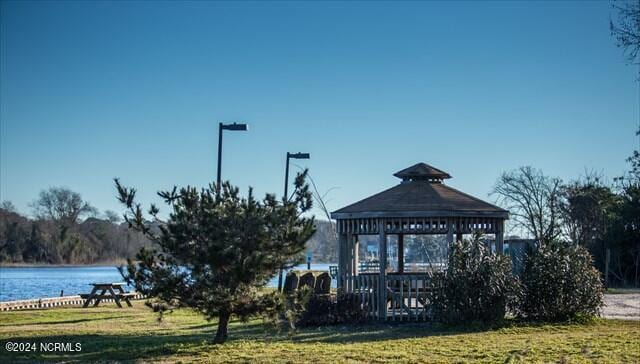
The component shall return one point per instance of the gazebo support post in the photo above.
(355, 244)
(500, 237)
(342, 244)
(382, 279)
(400, 253)
(348, 263)
(450, 231)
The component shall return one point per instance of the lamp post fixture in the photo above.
(286, 172)
(286, 193)
(221, 127)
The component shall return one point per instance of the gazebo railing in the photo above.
(408, 297)
(373, 266)
(369, 266)
(365, 288)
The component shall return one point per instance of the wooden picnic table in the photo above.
(113, 291)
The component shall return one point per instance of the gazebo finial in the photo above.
(422, 172)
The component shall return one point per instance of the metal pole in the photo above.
(286, 178)
(219, 155)
(286, 192)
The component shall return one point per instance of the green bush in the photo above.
(325, 309)
(476, 286)
(560, 283)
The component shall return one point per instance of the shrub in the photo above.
(319, 310)
(560, 283)
(476, 286)
(325, 309)
(350, 309)
(292, 307)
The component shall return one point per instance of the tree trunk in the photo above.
(221, 334)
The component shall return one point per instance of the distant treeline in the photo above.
(59, 235)
(94, 240)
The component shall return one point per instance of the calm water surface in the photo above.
(19, 283)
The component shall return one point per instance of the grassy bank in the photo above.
(135, 334)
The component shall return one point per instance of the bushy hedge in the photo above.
(325, 309)
(560, 283)
(476, 286)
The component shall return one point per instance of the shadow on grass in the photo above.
(101, 348)
(383, 331)
(67, 321)
(128, 347)
(378, 331)
(199, 337)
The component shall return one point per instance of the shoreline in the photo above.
(116, 263)
(48, 265)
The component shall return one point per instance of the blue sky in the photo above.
(95, 90)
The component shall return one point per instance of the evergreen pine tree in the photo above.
(217, 249)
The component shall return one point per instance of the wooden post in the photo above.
(459, 229)
(356, 256)
(500, 237)
(342, 242)
(349, 253)
(449, 231)
(400, 253)
(382, 281)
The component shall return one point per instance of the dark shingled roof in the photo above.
(421, 194)
(421, 171)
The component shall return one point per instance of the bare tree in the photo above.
(8, 206)
(587, 204)
(321, 199)
(626, 28)
(112, 216)
(533, 200)
(62, 206)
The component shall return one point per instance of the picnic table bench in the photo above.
(113, 291)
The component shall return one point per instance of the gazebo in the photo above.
(420, 205)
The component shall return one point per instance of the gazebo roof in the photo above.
(421, 194)
(421, 171)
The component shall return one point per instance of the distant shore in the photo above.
(115, 263)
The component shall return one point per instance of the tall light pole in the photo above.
(221, 127)
(286, 193)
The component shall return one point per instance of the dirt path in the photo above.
(622, 306)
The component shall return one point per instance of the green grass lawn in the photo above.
(108, 333)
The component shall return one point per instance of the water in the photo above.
(21, 283)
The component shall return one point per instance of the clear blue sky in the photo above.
(96, 90)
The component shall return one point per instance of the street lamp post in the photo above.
(286, 193)
(221, 127)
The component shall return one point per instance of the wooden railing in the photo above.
(365, 288)
(369, 266)
(408, 297)
(373, 266)
(50, 302)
